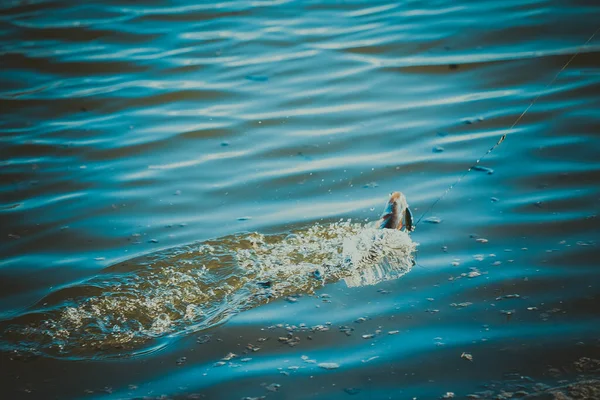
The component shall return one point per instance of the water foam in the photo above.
(193, 287)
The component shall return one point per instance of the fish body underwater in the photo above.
(129, 307)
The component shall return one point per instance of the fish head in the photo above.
(396, 214)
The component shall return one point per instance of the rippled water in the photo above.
(131, 131)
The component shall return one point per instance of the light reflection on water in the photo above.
(132, 128)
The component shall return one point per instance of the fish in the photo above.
(397, 214)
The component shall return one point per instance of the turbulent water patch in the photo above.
(196, 286)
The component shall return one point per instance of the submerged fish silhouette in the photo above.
(179, 290)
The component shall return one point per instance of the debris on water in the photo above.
(152, 241)
(352, 391)
(203, 339)
(328, 365)
(224, 144)
(432, 220)
(219, 364)
(346, 329)
(474, 273)
(177, 192)
(432, 311)
(588, 243)
(508, 296)
(371, 185)
(368, 336)
(290, 340)
(496, 263)
(438, 149)
(481, 168)
(291, 299)
(273, 387)
(478, 257)
(246, 218)
(100, 258)
(461, 305)
(361, 319)
(587, 365)
(393, 332)
(448, 395)
(307, 360)
(538, 204)
(319, 328)
(246, 359)
(481, 240)
(507, 312)
(466, 356)
(455, 263)
(229, 356)
(532, 308)
(494, 199)
(181, 360)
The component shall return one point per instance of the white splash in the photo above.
(193, 287)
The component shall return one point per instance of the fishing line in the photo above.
(519, 118)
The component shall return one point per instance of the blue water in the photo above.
(131, 129)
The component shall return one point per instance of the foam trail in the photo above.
(189, 288)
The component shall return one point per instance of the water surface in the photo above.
(130, 129)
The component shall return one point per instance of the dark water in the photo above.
(140, 129)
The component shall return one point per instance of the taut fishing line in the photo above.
(519, 118)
